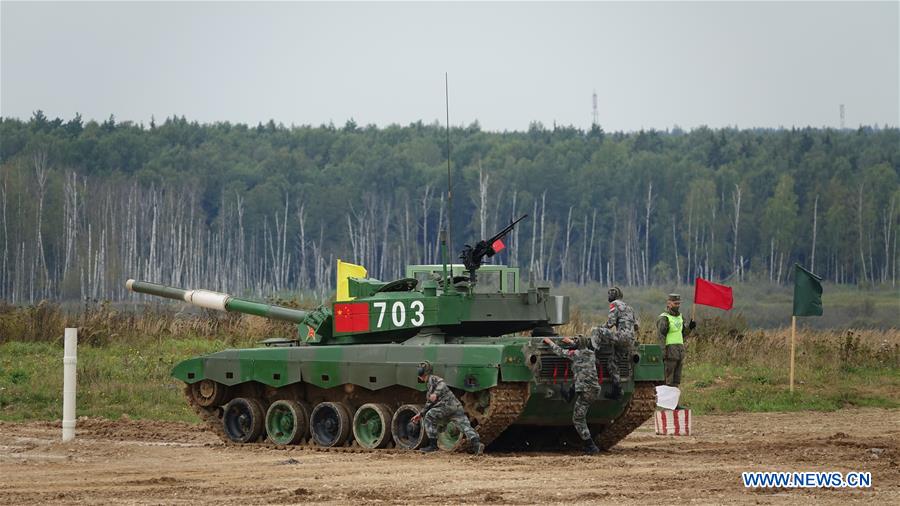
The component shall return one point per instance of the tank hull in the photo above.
(508, 385)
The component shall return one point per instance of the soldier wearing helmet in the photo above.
(441, 408)
(621, 317)
(587, 387)
(620, 330)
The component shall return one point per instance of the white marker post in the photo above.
(70, 359)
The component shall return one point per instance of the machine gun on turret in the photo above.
(473, 257)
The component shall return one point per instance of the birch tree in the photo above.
(40, 160)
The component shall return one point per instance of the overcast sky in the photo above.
(653, 65)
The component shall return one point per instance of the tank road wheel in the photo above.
(208, 393)
(330, 424)
(372, 426)
(242, 420)
(407, 435)
(450, 437)
(287, 422)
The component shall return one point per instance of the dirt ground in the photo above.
(144, 462)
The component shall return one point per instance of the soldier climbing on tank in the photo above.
(441, 408)
(587, 387)
(619, 332)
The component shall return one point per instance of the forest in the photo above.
(268, 209)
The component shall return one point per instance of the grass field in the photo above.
(833, 371)
(124, 359)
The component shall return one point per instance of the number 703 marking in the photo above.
(398, 313)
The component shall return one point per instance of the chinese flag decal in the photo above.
(351, 317)
(497, 246)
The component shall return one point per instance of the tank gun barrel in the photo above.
(218, 301)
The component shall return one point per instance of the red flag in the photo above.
(353, 317)
(711, 294)
(497, 246)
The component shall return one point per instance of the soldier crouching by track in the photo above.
(442, 407)
(587, 387)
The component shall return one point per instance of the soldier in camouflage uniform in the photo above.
(622, 319)
(587, 387)
(441, 408)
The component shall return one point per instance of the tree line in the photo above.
(268, 209)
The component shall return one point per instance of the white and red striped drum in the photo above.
(673, 422)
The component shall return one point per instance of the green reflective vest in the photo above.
(676, 325)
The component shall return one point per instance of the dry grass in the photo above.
(102, 323)
(729, 340)
(717, 340)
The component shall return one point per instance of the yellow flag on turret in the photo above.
(345, 271)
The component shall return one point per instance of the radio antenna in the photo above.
(449, 187)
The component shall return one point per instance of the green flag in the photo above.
(807, 293)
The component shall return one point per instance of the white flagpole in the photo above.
(70, 359)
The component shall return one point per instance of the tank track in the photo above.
(638, 411)
(208, 415)
(507, 402)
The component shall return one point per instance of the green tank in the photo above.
(348, 377)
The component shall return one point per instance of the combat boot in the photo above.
(432, 446)
(476, 447)
(590, 448)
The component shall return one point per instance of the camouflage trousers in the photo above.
(442, 415)
(672, 359)
(583, 402)
(623, 346)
